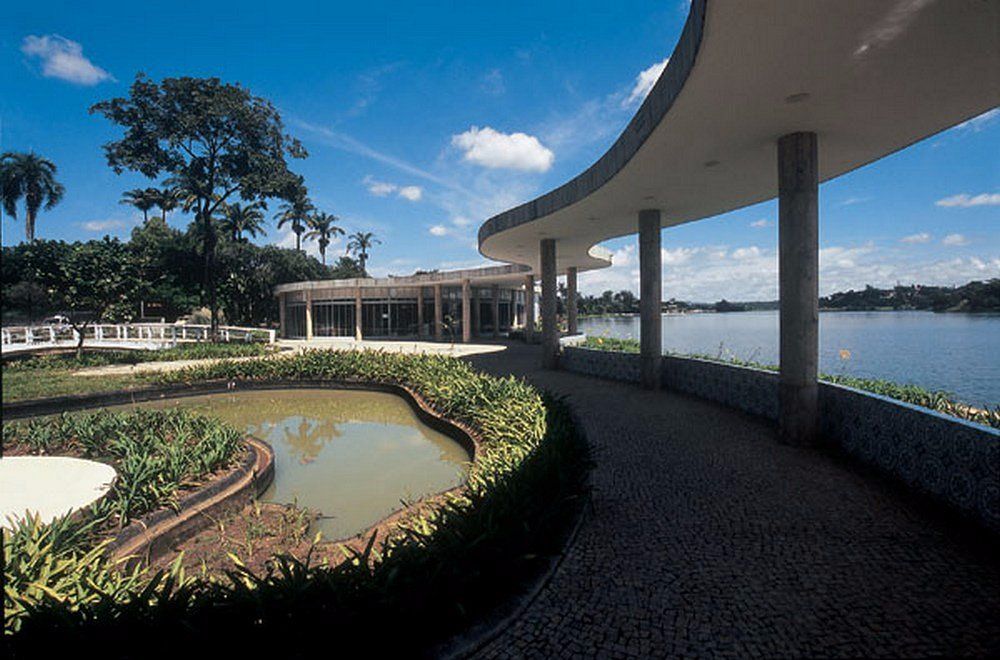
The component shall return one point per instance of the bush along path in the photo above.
(446, 566)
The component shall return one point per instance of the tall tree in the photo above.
(28, 176)
(296, 211)
(167, 199)
(216, 138)
(359, 243)
(243, 218)
(142, 199)
(323, 227)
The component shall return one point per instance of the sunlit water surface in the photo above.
(959, 353)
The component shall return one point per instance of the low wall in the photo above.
(953, 461)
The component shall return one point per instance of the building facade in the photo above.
(447, 306)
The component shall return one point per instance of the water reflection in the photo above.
(352, 456)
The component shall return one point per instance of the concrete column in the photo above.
(420, 311)
(357, 314)
(477, 314)
(281, 314)
(798, 287)
(495, 292)
(529, 308)
(466, 312)
(550, 329)
(571, 300)
(309, 315)
(650, 297)
(438, 313)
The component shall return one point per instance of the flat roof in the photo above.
(869, 78)
(511, 274)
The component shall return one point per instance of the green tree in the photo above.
(142, 199)
(92, 281)
(216, 139)
(359, 244)
(167, 200)
(346, 268)
(323, 227)
(296, 211)
(33, 178)
(242, 219)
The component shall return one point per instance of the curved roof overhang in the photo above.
(507, 275)
(868, 77)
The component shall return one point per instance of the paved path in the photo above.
(708, 538)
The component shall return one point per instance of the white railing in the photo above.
(124, 335)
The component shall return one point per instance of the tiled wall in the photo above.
(951, 460)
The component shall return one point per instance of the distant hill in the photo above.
(972, 297)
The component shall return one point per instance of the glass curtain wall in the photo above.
(295, 320)
(333, 319)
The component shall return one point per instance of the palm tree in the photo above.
(32, 177)
(360, 243)
(167, 199)
(296, 211)
(323, 227)
(240, 218)
(142, 199)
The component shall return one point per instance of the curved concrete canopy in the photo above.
(869, 77)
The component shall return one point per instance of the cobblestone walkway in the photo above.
(708, 538)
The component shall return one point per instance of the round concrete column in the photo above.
(529, 308)
(420, 311)
(571, 300)
(281, 315)
(798, 276)
(477, 310)
(357, 314)
(466, 311)
(550, 330)
(438, 313)
(495, 300)
(650, 298)
(309, 315)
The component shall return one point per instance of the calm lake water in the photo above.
(350, 456)
(959, 353)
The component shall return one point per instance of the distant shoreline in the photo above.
(821, 309)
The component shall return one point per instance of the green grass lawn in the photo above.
(22, 385)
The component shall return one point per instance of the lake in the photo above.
(959, 353)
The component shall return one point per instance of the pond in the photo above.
(351, 456)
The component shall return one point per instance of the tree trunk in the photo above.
(29, 225)
(209, 275)
(79, 343)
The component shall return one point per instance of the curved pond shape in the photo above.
(351, 456)
(50, 486)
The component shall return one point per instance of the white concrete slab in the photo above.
(50, 486)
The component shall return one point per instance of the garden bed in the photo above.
(446, 563)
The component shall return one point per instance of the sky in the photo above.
(424, 119)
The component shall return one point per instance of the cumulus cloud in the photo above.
(63, 59)
(515, 151)
(955, 239)
(104, 225)
(412, 193)
(964, 200)
(644, 83)
(922, 237)
(493, 83)
(438, 230)
(384, 189)
(760, 224)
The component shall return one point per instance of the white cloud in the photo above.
(287, 240)
(412, 193)
(493, 83)
(922, 237)
(104, 225)
(515, 151)
(955, 239)
(760, 224)
(379, 188)
(63, 59)
(851, 201)
(965, 200)
(644, 82)
(438, 230)
(979, 122)
(742, 254)
(461, 221)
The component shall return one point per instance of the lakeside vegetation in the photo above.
(977, 296)
(443, 567)
(937, 400)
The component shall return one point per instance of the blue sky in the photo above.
(423, 119)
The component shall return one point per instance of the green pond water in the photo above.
(349, 456)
